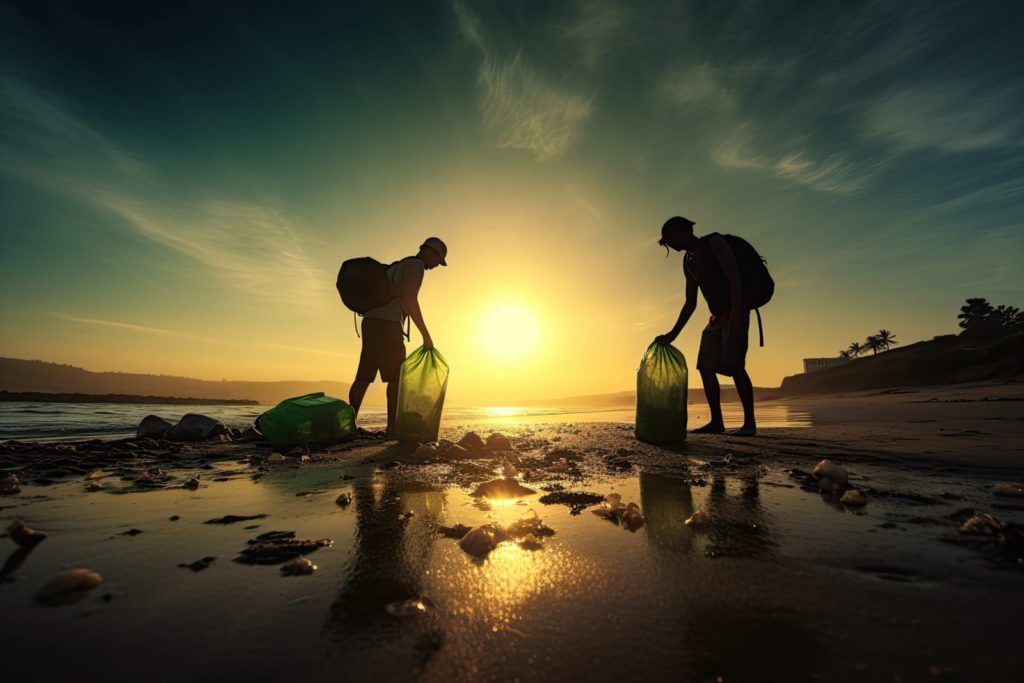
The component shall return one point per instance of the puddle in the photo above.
(778, 585)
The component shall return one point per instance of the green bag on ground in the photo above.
(310, 419)
(661, 395)
(421, 388)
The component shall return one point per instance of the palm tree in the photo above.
(855, 349)
(886, 338)
(845, 353)
(873, 343)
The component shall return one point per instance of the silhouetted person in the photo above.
(711, 266)
(383, 345)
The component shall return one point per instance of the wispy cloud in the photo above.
(249, 246)
(596, 28)
(520, 104)
(699, 85)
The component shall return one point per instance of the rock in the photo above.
(698, 520)
(274, 550)
(498, 442)
(299, 567)
(632, 518)
(471, 442)
(501, 489)
(481, 540)
(1006, 488)
(198, 565)
(826, 469)
(531, 542)
(69, 587)
(509, 470)
(425, 451)
(275, 458)
(98, 474)
(343, 500)
(854, 499)
(195, 427)
(457, 452)
(231, 519)
(24, 536)
(94, 486)
(981, 524)
(250, 435)
(10, 484)
(152, 427)
(191, 483)
(454, 531)
(131, 532)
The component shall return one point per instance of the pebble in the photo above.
(698, 520)
(68, 587)
(853, 498)
(1007, 488)
(826, 469)
(344, 500)
(24, 536)
(299, 567)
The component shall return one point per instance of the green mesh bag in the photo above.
(661, 395)
(421, 390)
(310, 419)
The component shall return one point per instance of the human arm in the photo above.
(412, 307)
(412, 279)
(689, 306)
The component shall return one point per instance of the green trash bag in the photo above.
(310, 419)
(661, 395)
(421, 388)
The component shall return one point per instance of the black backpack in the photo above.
(758, 285)
(363, 284)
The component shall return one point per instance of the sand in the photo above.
(782, 583)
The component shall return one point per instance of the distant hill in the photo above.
(948, 359)
(18, 375)
(47, 397)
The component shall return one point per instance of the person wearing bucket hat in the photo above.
(383, 337)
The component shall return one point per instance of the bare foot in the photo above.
(710, 428)
(745, 430)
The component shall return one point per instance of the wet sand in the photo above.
(784, 583)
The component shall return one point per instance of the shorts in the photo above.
(383, 350)
(723, 350)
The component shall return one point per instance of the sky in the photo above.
(179, 182)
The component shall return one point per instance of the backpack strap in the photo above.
(356, 325)
(760, 328)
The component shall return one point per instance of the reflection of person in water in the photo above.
(739, 526)
(667, 502)
(390, 557)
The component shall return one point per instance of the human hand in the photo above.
(666, 338)
(428, 343)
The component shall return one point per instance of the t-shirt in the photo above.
(701, 264)
(406, 276)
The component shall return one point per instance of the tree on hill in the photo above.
(980, 319)
(874, 344)
(855, 349)
(887, 339)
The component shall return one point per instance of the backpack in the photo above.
(363, 284)
(758, 285)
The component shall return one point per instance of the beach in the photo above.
(782, 582)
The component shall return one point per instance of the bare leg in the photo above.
(745, 389)
(356, 393)
(713, 393)
(392, 406)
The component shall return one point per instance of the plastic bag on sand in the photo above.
(661, 395)
(313, 419)
(422, 385)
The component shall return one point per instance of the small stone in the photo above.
(425, 451)
(191, 483)
(275, 458)
(1007, 488)
(343, 500)
(698, 520)
(498, 442)
(471, 442)
(826, 469)
(10, 484)
(299, 567)
(198, 565)
(68, 587)
(23, 535)
(854, 499)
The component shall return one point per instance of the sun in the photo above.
(509, 331)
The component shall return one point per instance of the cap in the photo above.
(437, 245)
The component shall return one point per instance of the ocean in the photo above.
(57, 421)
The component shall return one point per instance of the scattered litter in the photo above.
(454, 531)
(198, 565)
(502, 489)
(231, 519)
(627, 516)
(698, 520)
(275, 547)
(191, 483)
(576, 500)
(854, 499)
(299, 567)
(69, 587)
(1006, 488)
(24, 536)
(344, 500)
(10, 484)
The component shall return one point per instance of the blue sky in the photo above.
(179, 182)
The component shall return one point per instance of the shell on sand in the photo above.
(502, 489)
(24, 536)
(68, 587)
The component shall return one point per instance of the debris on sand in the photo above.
(854, 499)
(191, 484)
(23, 535)
(275, 458)
(577, 501)
(231, 519)
(131, 532)
(407, 608)
(529, 524)
(94, 486)
(198, 565)
(457, 452)
(343, 500)
(425, 451)
(10, 484)
(627, 516)
(454, 531)
(299, 567)
(981, 524)
(1007, 488)
(531, 542)
(471, 442)
(69, 587)
(480, 541)
(275, 547)
(502, 489)
(831, 477)
(698, 520)
(498, 442)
